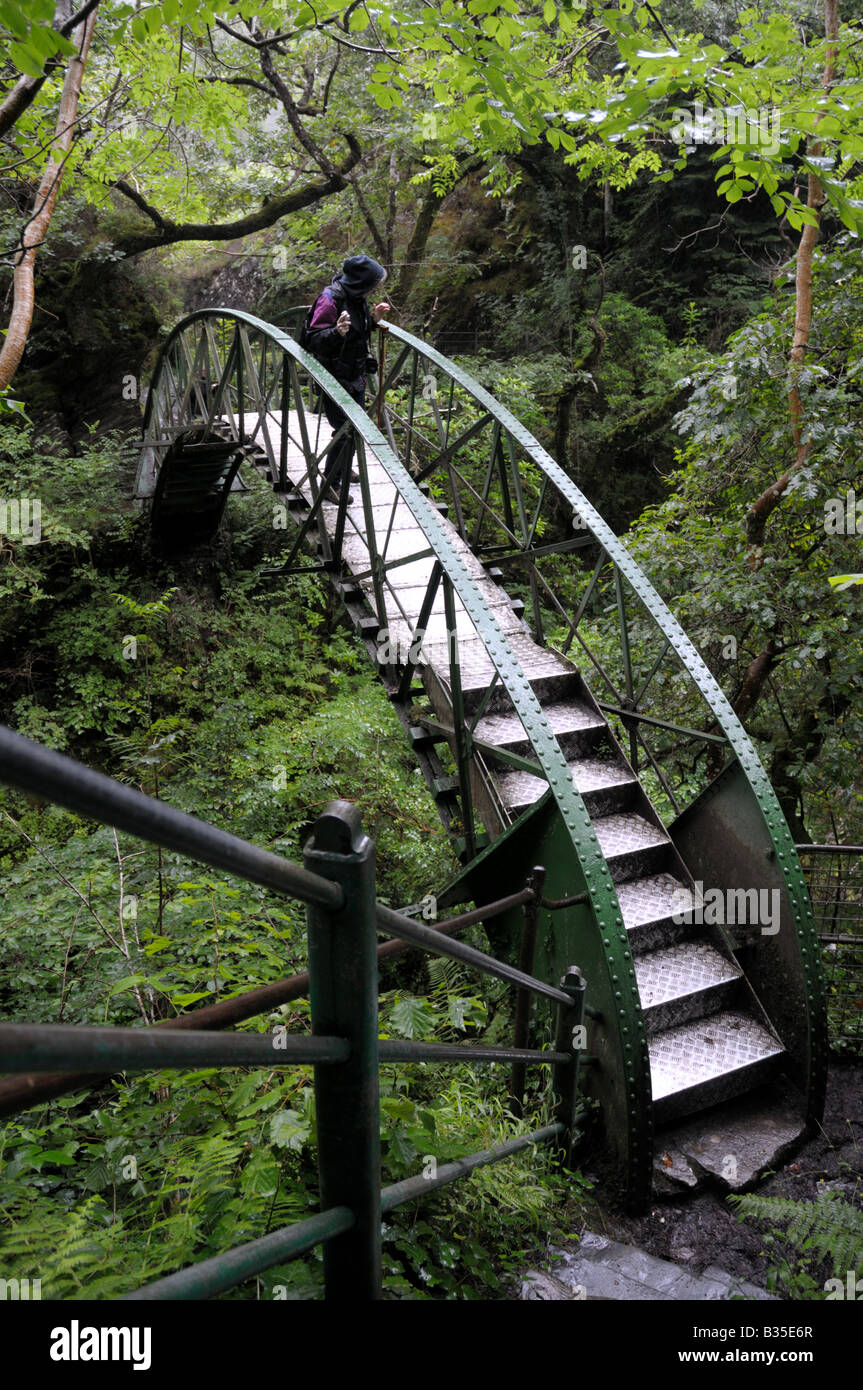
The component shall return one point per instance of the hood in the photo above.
(360, 274)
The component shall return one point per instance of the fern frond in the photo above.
(831, 1228)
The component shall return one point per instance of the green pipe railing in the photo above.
(337, 884)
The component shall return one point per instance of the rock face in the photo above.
(238, 285)
(83, 364)
(603, 1269)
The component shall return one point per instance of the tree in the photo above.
(813, 137)
(36, 229)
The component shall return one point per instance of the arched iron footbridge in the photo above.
(488, 591)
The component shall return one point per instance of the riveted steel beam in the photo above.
(560, 815)
(738, 740)
(626, 1049)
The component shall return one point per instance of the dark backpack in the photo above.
(303, 336)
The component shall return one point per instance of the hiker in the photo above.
(337, 334)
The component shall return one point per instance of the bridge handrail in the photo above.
(550, 762)
(602, 899)
(694, 665)
(343, 919)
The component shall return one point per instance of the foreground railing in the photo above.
(337, 884)
(835, 877)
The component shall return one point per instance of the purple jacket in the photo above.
(346, 357)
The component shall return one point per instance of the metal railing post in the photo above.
(343, 990)
(570, 1024)
(523, 998)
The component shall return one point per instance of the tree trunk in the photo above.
(420, 234)
(36, 229)
(765, 505)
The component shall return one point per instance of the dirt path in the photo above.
(701, 1229)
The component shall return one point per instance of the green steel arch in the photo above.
(227, 384)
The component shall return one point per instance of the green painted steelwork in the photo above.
(593, 930)
(343, 988)
(614, 978)
(754, 785)
(223, 1272)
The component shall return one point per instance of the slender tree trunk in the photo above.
(391, 213)
(419, 236)
(765, 505)
(17, 99)
(36, 228)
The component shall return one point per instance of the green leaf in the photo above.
(413, 1018)
(26, 59)
(260, 1177)
(12, 18)
(128, 982)
(288, 1130)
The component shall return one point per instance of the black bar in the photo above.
(396, 925)
(523, 998)
(53, 777)
(556, 904)
(26, 1047)
(396, 1050)
(483, 914)
(566, 1078)
(343, 976)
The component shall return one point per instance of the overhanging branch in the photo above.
(168, 232)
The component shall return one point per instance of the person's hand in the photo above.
(379, 311)
(344, 323)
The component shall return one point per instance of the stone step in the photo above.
(607, 1270)
(730, 1144)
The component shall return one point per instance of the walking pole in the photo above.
(382, 363)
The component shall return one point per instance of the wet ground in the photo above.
(698, 1230)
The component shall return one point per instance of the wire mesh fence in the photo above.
(835, 877)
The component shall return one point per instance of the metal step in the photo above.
(679, 983)
(648, 906)
(704, 1046)
(606, 786)
(700, 1064)
(632, 846)
(551, 677)
(578, 729)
